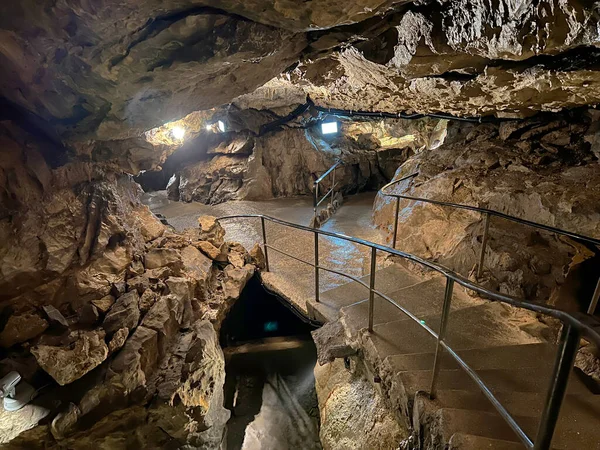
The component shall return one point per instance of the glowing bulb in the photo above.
(222, 126)
(208, 127)
(178, 132)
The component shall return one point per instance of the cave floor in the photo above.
(354, 218)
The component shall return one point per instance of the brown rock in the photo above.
(140, 284)
(21, 328)
(235, 280)
(67, 364)
(208, 249)
(161, 257)
(136, 268)
(55, 317)
(161, 273)
(147, 300)
(118, 340)
(211, 230)
(88, 314)
(195, 264)
(125, 313)
(103, 304)
(237, 255)
(257, 257)
(137, 360)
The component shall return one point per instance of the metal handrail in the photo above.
(572, 330)
(488, 213)
(318, 181)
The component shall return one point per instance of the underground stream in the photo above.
(270, 384)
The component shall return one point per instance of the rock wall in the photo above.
(286, 163)
(111, 314)
(354, 414)
(543, 170)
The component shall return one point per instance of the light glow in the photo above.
(221, 126)
(329, 127)
(178, 132)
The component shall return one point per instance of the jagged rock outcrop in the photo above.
(97, 293)
(542, 171)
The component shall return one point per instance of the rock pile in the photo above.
(153, 353)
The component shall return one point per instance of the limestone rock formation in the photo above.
(66, 364)
(534, 170)
(353, 413)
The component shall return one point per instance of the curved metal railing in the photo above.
(488, 213)
(573, 327)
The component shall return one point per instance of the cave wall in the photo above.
(543, 170)
(286, 162)
(110, 313)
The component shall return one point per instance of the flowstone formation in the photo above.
(544, 170)
(112, 315)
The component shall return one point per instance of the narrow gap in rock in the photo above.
(270, 385)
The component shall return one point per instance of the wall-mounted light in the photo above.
(221, 126)
(178, 132)
(329, 127)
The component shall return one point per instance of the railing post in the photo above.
(486, 227)
(332, 185)
(316, 200)
(441, 335)
(396, 222)
(316, 266)
(568, 346)
(372, 286)
(594, 302)
(264, 233)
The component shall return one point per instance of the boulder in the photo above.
(237, 255)
(211, 230)
(209, 250)
(22, 327)
(103, 304)
(69, 363)
(89, 315)
(139, 284)
(118, 340)
(147, 300)
(196, 265)
(161, 257)
(257, 257)
(55, 317)
(125, 313)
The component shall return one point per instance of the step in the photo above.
(462, 441)
(387, 280)
(525, 356)
(497, 380)
(474, 327)
(422, 299)
(576, 407)
(569, 436)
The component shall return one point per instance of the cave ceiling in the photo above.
(108, 70)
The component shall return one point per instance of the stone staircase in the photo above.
(515, 366)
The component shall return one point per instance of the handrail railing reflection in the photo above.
(573, 328)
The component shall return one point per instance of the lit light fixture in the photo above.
(209, 127)
(178, 132)
(221, 126)
(329, 127)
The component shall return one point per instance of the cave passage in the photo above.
(270, 385)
